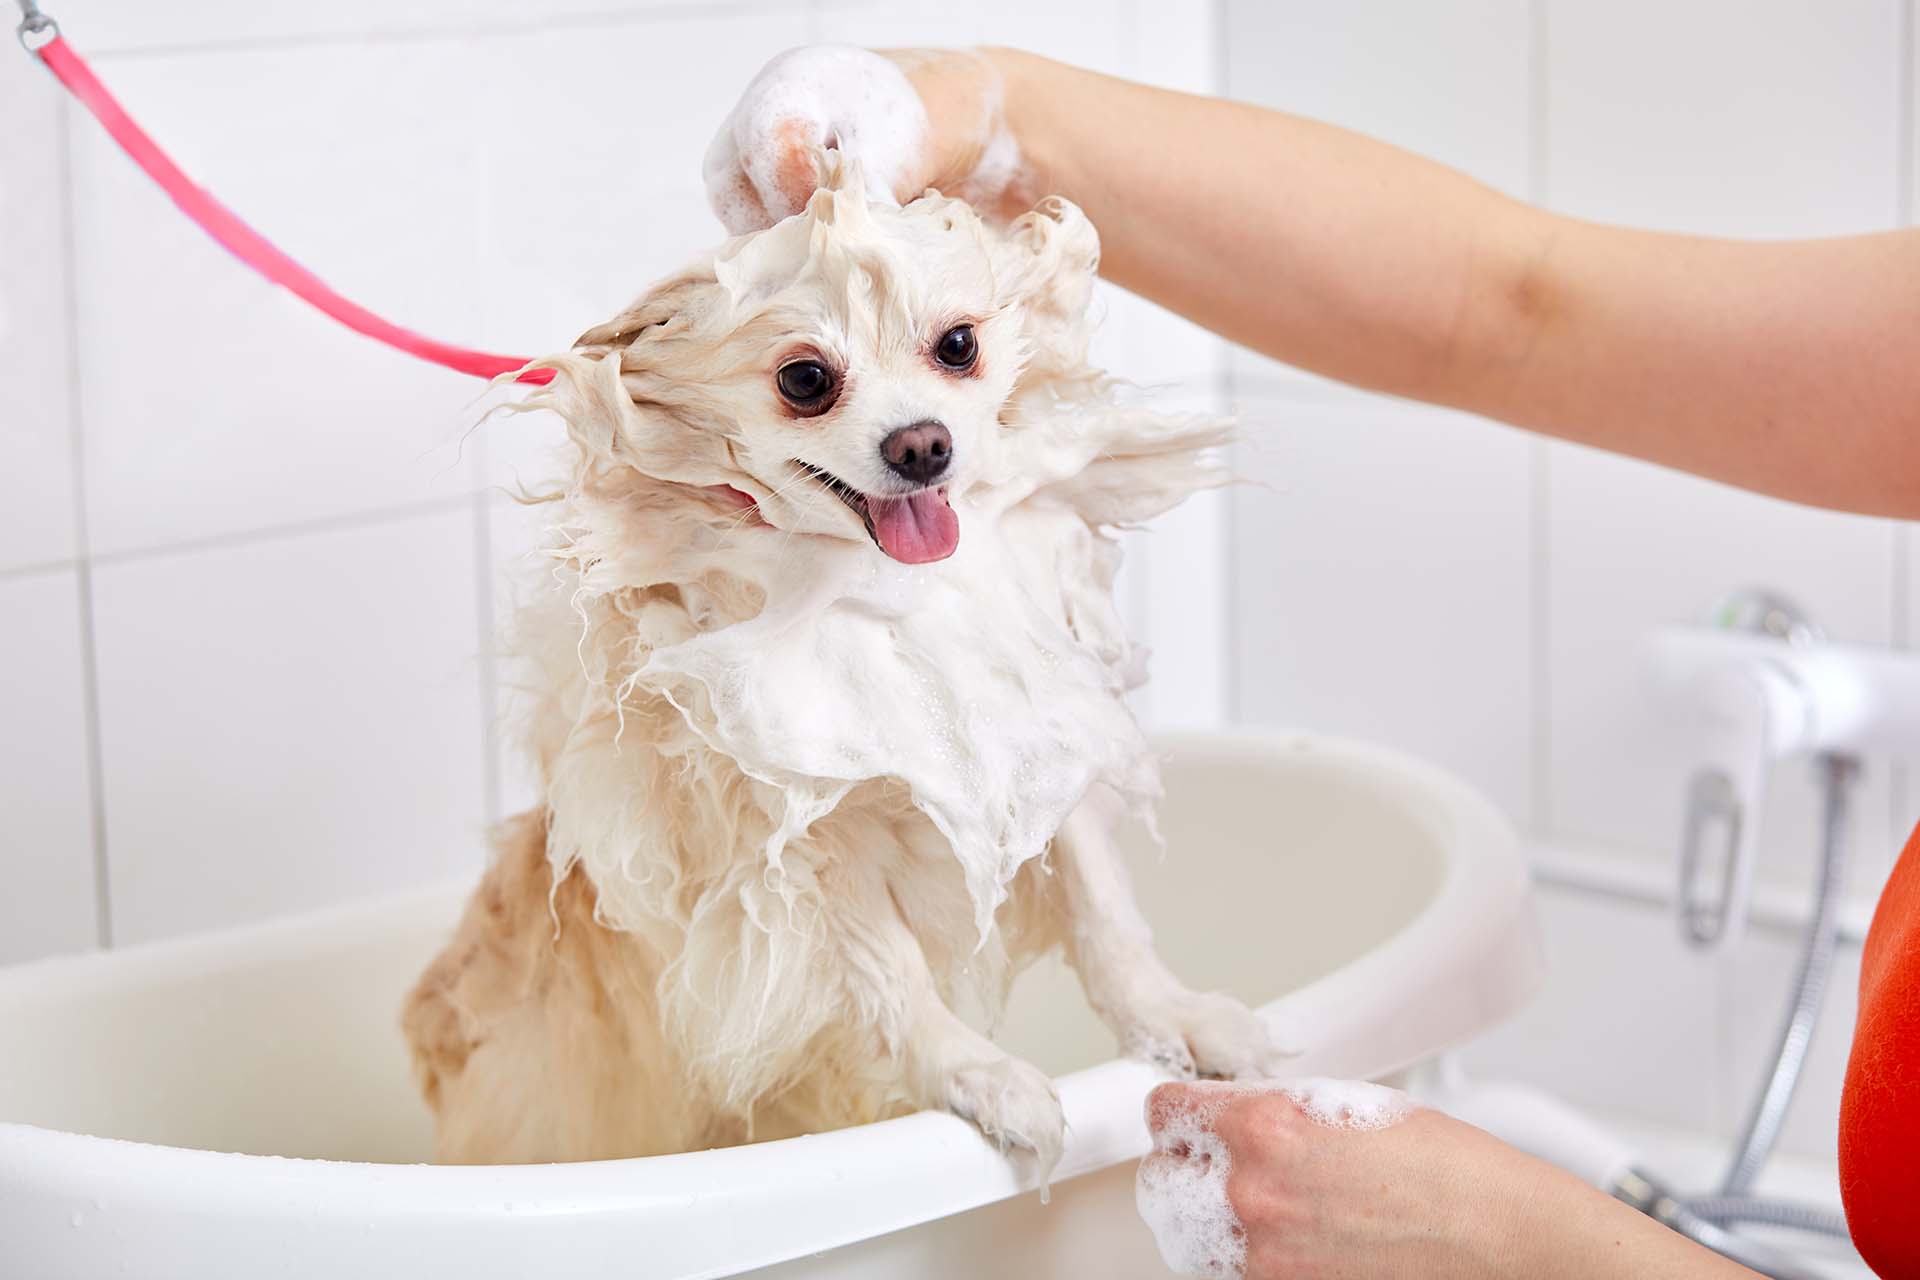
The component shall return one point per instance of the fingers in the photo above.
(1180, 1109)
(762, 164)
(1181, 1188)
(793, 170)
(737, 205)
(1166, 1105)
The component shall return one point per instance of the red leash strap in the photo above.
(241, 240)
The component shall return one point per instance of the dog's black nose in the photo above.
(919, 453)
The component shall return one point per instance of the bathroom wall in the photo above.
(249, 563)
(1423, 578)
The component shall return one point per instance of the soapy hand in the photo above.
(1325, 1178)
(1302, 1179)
(913, 118)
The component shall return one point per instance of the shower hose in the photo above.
(1707, 1217)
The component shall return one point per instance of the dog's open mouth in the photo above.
(917, 528)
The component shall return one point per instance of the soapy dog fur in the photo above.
(830, 716)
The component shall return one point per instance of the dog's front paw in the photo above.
(1014, 1104)
(1189, 1033)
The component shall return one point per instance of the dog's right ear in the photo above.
(1047, 258)
(1045, 263)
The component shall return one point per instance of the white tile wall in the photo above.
(1725, 117)
(46, 841)
(1910, 36)
(290, 721)
(1381, 578)
(227, 405)
(1627, 1022)
(37, 520)
(1448, 81)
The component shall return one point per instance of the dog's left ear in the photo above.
(622, 329)
(1044, 267)
(655, 307)
(616, 395)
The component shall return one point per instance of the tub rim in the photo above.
(1478, 924)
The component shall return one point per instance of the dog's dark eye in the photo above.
(957, 348)
(807, 385)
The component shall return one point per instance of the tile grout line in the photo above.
(1907, 126)
(1539, 35)
(1221, 378)
(38, 567)
(295, 529)
(82, 546)
(1539, 638)
(1539, 477)
(1226, 387)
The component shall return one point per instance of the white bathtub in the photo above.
(1377, 903)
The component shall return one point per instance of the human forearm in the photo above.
(1315, 245)
(1538, 1221)
(1790, 369)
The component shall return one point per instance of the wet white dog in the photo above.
(831, 724)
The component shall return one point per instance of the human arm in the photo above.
(1790, 368)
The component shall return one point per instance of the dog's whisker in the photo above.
(747, 513)
(786, 543)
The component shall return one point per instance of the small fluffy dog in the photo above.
(830, 715)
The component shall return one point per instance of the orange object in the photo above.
(1880, 1106)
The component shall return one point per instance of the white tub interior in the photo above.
(1385, 896)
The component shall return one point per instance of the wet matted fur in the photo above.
(803, 801)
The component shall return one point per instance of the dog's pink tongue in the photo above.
(916, 529)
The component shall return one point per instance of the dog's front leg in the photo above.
(1154, 1014)
(945, 1063)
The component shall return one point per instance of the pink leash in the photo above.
(225, 226)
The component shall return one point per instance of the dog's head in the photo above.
(847, 372)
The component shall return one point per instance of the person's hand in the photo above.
(1305, 1198)
(1421, 1194)
(912, 118)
